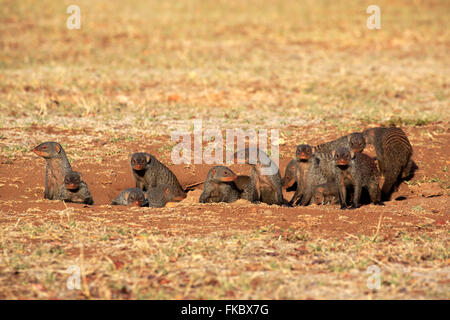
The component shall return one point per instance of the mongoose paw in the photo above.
(353, 206)
(378, 203)
(343, 207)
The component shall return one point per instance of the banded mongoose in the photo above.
(290, 175)
(309, 174)
(219, 186)
(149, 172)
(131, 197)
(75, 190)
(393, 151)
(160, 195)
(265, 177)
(359, 170)
(326, 193)
(323, 152)
(57, 167)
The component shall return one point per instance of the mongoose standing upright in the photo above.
(75, 190)
(309, 174)
(57, 167)
(131, 197)
(148, 173)
(394, 152)
(319, 164)
(219, 186)
(359, 170)
(265, 177)
(323, 152)
(158, 196)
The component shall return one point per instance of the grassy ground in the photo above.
(138, 69)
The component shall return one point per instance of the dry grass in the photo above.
(126, 261)
(137, 69)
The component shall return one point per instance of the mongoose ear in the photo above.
(126, 195)
(352, 154)
(313, 150)
(167, 191)
(333, 153)
(348, 139)
(57, 148)
(148, 158)
(213, 171)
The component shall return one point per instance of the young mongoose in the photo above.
(131, 197)
(158, 196)
(358, 170)
(290, 175)
(265, 177)
(219, 186)
(394, 152)
(148, 173)
(75, 190)
(57, 167)
(243, 183)
(326, 193)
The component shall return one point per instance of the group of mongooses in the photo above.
(332, 172)
(155, 183)
(324, 173)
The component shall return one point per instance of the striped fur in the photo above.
(394, 153)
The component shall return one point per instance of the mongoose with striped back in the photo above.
(160, 195)
(393, 151)
(149, 172)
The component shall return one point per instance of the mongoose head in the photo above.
(72, 180)
(139, 160)
(342, 156)
(303, 152)
(222, 174)
(48, 150)
(172, 195)
(319, 197)
(357, 142)
(135, 197)
(289, 176)
(369, 135)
